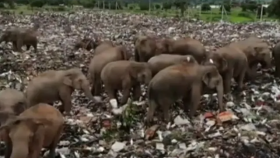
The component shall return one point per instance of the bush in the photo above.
(2, 5)
(130, 7)
(166, 5)
(244, 14)
(144, 6)
(37, 3)
(226, 6)
(205, 7)
(157, 6)
(61, 8)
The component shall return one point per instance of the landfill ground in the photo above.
(248, 130)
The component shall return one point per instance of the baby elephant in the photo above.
(162, 61)
(12, 102)
(124, 75)
(53, 85)
(37, 127)
(182, 81)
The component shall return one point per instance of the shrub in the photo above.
(166, 5)
(130, 7)
(157, 6)
(205, 7)
(244, 14)
(226, 6)
(144, 6)
(61, 8)
(37, 3)
(2, 5)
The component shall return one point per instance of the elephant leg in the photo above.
(19, 44)
(252, 72)
(65, 97)
(227, 80)
(195, 95)
(111, 92)
(240, 79)
(166, 103)
(186, 101)
(14, 46)
(54, 144)
(35, 47)
(136, 92)
(97, 88)
(151, 110)
(28, 47)
(8, 150)
(126, 86)
(277, 69)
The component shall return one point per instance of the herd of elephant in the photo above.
(171, 69)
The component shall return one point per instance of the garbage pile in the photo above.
(249, 128)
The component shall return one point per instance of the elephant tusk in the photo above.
(188, 59)
(211, 61)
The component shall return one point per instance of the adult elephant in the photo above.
(21, 36)
(54, 85)
(147, 47)
(100, 60)
(256, 52)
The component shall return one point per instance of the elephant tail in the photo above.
(136, 55)
(152, 96)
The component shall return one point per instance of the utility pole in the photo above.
(149, 6)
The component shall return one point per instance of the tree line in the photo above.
(247, 6)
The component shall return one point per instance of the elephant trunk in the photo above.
(87, 92)
(220, 92)
(20, 150)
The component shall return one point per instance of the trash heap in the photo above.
(248, 129)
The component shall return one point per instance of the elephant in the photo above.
(54, 85)
(99, 61)
(37, 127)
(20, 37)
(12, 103)
(85, 43)
(256, 52)
(147, 47)
(162, 61)
(103, 46)
(231, 63)
(182, 81)
(124, 75)
(276, 55)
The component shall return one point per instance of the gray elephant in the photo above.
(182, 81)
(147, 47)
(162, 61)
(20, 37)
(54, 85)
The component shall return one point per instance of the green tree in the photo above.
(166, 5)
(226, 6)
(143, 6)
(273, 9)
(37, 3)
(205, 7)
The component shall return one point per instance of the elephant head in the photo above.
(6, 36)
(262, 54)
(141, 72)
(123, 52)
(23, 134)
(76, 79)
(164, 46)
(218, 60)
(212, 79)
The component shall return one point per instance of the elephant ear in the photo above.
(206, 78)
(224, 64)
(67, 81)
(124, 53)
